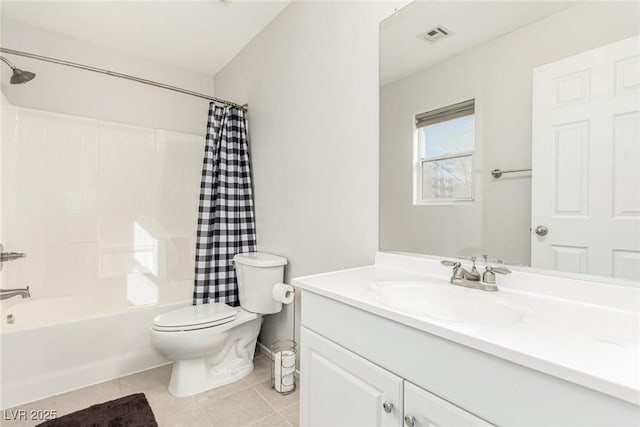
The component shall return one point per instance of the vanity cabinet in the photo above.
(340, 388)
(352, 361)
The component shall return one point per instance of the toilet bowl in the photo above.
(213, 344)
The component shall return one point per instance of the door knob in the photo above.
(388, 407)
(409, 420)
(541, 230)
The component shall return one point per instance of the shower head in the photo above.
(19, 76)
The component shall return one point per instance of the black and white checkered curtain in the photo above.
(226, 224)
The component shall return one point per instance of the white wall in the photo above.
(498, 75)
(311, 81)
(61, 89)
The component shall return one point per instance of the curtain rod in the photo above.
(122, 76)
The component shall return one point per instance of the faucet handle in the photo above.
(449, 263)
(501, 270)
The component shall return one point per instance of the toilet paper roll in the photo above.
(284, 367)
(283, 293)
(287, 383)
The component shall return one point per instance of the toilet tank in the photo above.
(257, 273)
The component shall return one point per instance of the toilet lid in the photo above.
(198, 316)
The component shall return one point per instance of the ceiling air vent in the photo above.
(435, 34)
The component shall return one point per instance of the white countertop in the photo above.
(596, 346)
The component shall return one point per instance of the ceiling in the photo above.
(201, 36)
(402, 53)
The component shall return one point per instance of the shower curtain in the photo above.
(226, 224)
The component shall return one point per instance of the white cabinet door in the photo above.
(423, 409)
(586, 162)
(340, 388)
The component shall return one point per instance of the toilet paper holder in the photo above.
(283, 366)
(283, 293)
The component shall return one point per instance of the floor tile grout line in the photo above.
(271, 388)
(255, 423)
(239, 391)
(272, 407)
(222, 396)
(285, 419)
(203, 412)
(263, 398)
(282, 415)
(268, 404)
(277, 411)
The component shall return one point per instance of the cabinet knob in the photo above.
(409, 420)
(388, 407)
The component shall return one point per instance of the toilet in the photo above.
(213, 344)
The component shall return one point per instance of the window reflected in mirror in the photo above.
(445, 141)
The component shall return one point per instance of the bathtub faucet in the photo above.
(8, 293)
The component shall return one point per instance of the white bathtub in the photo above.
(65, 343)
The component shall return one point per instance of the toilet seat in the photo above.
(195, 317)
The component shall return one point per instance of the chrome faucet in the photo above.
(8, 293)
(462, 276)
(473, 279)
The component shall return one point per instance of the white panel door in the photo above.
(586, 162)
(340, 388)
(423, 409)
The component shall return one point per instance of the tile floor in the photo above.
(248, 402)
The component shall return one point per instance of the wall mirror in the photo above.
(547, 94)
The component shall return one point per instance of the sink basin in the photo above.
(447, 303)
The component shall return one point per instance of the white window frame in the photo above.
(437, 116)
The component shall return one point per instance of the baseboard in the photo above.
(264, 350)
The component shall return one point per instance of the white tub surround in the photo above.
(106, 214)
(96, 205)
(542, 351)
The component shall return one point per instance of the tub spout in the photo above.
(8, 293)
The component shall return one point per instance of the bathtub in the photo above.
(59, 344)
